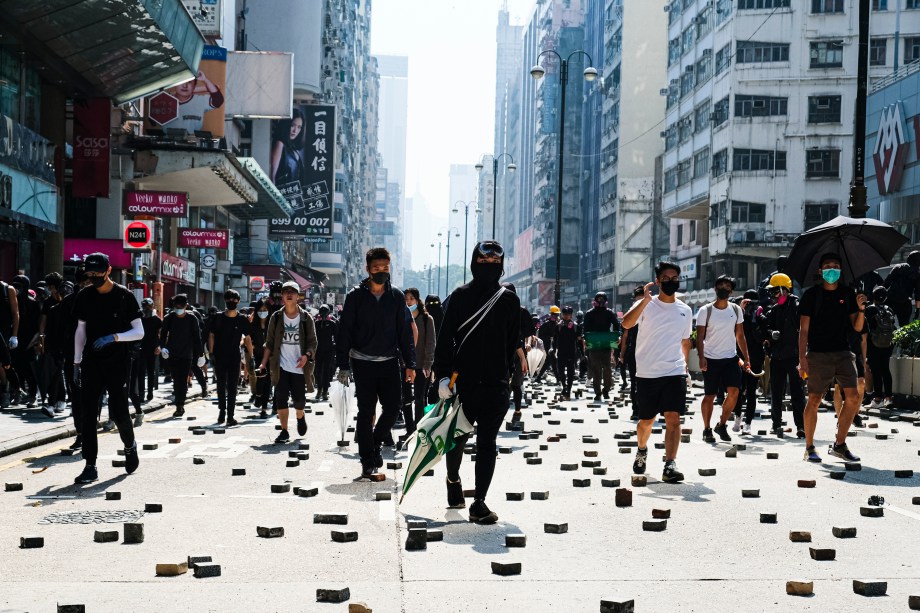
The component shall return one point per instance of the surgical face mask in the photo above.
(231, 306)
(722, 293)
(669, 288)
(781, 298)
(179, 311)
(831, 275)
(262, 314)
(97, 282)
(412, 308)
(380, 278)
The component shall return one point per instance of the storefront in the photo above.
(178, 275)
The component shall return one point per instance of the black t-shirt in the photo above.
(52, 315)
(65, 323)
(105, 314)
(228, 332)
(152, 325)
(829, 327)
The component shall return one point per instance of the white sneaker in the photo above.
(876, 404)
(737, 426)
(746, 429)
(59, 406)
(887, 402)
(48, 411)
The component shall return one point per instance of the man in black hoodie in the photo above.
(375, 326)
(478, 341)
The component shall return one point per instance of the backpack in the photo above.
(883, 326)
(735, 308)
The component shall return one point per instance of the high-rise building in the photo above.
(394, 104)
(758, 132)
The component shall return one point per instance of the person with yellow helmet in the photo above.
(781, 322)
(547, 333)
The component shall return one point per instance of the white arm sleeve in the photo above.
(136, 332)
(79, 340)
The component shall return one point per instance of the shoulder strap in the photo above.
(483, 310)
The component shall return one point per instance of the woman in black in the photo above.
(258, 326)
(287, 150)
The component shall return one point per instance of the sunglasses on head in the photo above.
(490, 248)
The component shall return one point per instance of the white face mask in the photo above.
(180, 311)
(262, 314)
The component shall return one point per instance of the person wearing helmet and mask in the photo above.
(581, 356)
(568, 339)
(326, 330)
(903, 285)
(600, 324)
(882, 323)
(547, 333)
(479, 338)
(754, 336)
(781, 325)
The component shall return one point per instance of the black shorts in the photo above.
(721, 373)
(661, 395)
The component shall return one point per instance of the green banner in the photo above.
(602, 340)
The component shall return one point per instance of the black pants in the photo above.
(227, 373)
(179, 369)
(780, 371)
(263, 392)
(599, 360)
(293, 384)
(484, 406)
(199, 375)
(325, 368)
(375, 381)
(151, 371)
(878, 358)
(73, 391)
(631, 367)
(566, 374)
(109, 375)
(22, 360)
(747, 396)
(136, 381)
(416, 410)
(54, 375)
(903, 310)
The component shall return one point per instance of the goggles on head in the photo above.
(490, 249)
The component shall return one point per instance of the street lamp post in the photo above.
(511, 168)
(466, 228)
(447, 270)
(857, 206)
(590, 74)
(439, 264)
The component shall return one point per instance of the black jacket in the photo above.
(181, 336)
(601, 319)
(326, 330)
(903, 284)
(375, 327)
(568, 338)
(487, 355)
(785, 320)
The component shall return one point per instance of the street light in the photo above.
(439, 263)
(447, 271)
(466, 227)
(537, 72)
(511, 168)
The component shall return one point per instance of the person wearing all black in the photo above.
(108, 323)
(258, 329)
(479, 338)
(50, 344)
(24, 356)
(628, 354)
(567, 342)
(780, 323)
(227, 330)
(436, 310)
(180, 345)
(66, 324)
(149, 360)
(528, 329)
(547, 333)
(199, 367)
(600, 319)
(326, 329)
(753, 337)
(374, 329)
(879, 346)
(903, 285)
(582, 357)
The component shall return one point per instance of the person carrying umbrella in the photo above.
(478, 340)
(826, 311)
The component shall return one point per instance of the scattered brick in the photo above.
(639, 480)
(269, 532)
(750, 493)
(800, 588)
(590, 463)
(344, 536)
(903, 474)
(844, 533)
(611, 605)
(308, 492)
(417, 539)
(394, 465)
(870, 588)
(661, 513)
(515, 540)
(31, 542)
(433, 536)
(387, 496)
(610, 483)
(506, 568)
(207, 570)
(800, 536)
(333, 595)
(339, 519)
(655, 525)
(134, 533)
(193, 561)
(581, 482)
(768, 518)
(237, 472)
(600, 470)
(280, 488)
(623, 497)
(555, 528)
(822, 555)
(171, 570)
(113, 495)
(153, 507)
(807, 483)
(568, 467)
(772, 455)
(534, 461)
(539, 495)
(197, 460)
(872, 511)
(731, 453)
(853, 466)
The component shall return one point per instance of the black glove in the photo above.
(77, 375)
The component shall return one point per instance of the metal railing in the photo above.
(900, 73)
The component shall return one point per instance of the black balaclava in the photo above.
(486, 274)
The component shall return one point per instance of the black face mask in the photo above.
(380, 278)
(722, 293)
(486, 273)
(231, 306)
(880, 298)
(669, 288)
(97, 282)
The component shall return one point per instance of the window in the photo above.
(826, 6)
(670, 180)
(673, 51)
(720, 163)
(674, 11)
(827, 54)
(687, 82)
(913, 4)
(758, 159)
(880, 5)
(723, 58)
(680, 234)
(912, 46)
(878, 52)
(692, 231)
(701, 163)
(673, 96)
(822, 163)
(718, 214)
(720, 112)
(686, 127)
(686, 39)
(670, 139)
(824, 109)
(762, 4)
(704, 68)
(703, 21)
(748, 212)
(817, 214)
(723, 11)
(683, 173)
(760, 106)
(754, 52)
(701, 117)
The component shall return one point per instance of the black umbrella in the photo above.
(862, 244)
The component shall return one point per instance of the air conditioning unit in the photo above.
(707, 52)
(667, 8)
(675, 81)
(663, 134)
(689, 68)
(759, 104)
(663, 91)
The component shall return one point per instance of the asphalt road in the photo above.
(714, 555)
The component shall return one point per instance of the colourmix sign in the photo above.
(159, 204)
(303, 170)
(206, 239)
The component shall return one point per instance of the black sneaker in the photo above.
(221, 417)
(722, 431)
(842, 451)
(516, 416)
(283, 437)
(367, 471)
(138, 419)
(858, 421)
(597, 398)
(302, 426)
(799, 433)
(480, 513)
(179, 412)
(778, 431)
(48, 411)
(455, 498)
(232, 422)
(671, 474)
(263, 414)
(77, 443)
(131, 459)
(88, 475)
(377, 458)
(707, 436)
(634, 417)
(607, 395)
(811, 454)
(149, 396)
(639, 462)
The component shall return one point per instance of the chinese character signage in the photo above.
(91, 120)
(159, 204)
(303, 170)
(204, 239)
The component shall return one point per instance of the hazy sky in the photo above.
(451, 50)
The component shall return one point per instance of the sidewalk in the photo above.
(23, 428)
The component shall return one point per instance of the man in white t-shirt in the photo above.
(662, 347)
(719, 334)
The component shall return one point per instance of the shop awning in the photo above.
(216, 178)
(305, 284)
(120, 49)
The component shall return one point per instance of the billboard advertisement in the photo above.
(204, 239)
(295, 26)
(206, 14)
(263, 84)
(159, 204)
(91, 148)
(303, 169)
(196, 105)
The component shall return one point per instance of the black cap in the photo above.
(96, 262)
(827, 257)
(567, 310)
(600, 295)
(147, 302)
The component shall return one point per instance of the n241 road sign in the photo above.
(137, 235)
